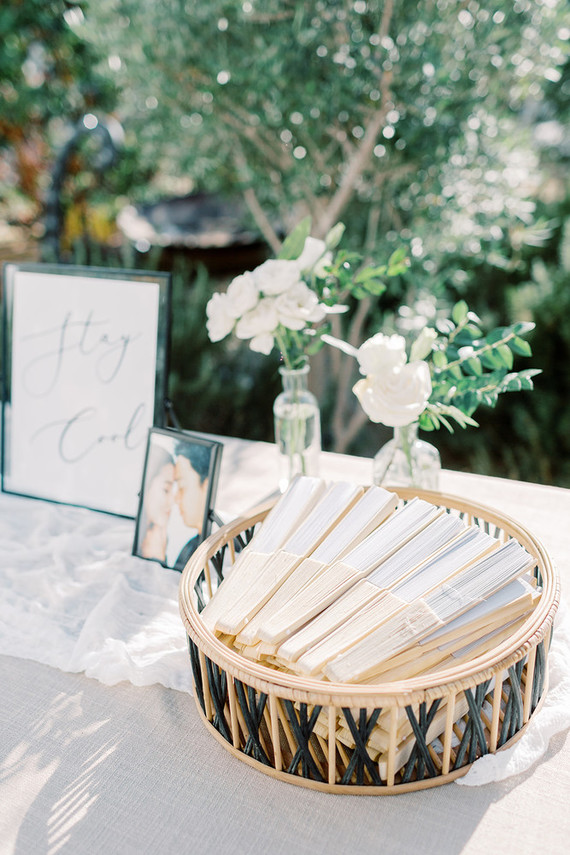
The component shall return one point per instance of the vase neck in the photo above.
(406, 434)
(294, 379)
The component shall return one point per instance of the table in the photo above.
(87, 768)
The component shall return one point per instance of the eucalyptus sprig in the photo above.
(469, 368)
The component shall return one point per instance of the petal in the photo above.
(262, 343)
(219, 323)
(313, 250)
(381, 353)
(242, 295)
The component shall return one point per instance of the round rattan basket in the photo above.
(358, 738)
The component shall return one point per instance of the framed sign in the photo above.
(177, 496)
(85, 372)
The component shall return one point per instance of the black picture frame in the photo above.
(85, 373)
(177, 495)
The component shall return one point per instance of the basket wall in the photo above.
(380, 739)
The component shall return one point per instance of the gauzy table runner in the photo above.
(73, 597)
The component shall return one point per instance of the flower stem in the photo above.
(283, 348)
(404, 434)
(484, 349)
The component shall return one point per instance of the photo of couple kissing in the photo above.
(175, 503)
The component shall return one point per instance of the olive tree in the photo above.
(410, 121)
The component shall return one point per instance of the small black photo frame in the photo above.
(177, 495)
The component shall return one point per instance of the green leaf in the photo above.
(459, 312)
(506, 355)
(490, 398)
(473, 329)
(294, 243)
(439, 359)
(427, 422)
(473, 365)
(467, 336)
(456, 372)
(397, 257)
(496, 335)
(398, 262)
(523, 327)
(520, 346)
(492, 360)
(397, 269)
(369, 273)
(375, 287)
(470, 402)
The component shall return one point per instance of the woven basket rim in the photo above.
(401, 692)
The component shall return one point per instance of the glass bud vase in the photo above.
(407, 461)
(297, 426)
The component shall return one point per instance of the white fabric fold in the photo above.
(73, 597)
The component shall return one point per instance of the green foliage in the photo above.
(470, 369)
(279, 98)
(46, 68)
(48, 80)
(543, 421)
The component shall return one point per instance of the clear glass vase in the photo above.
(297, 422)
(407, 461)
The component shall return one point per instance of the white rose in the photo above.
(299, 306)
(261, 320)
(396, 397)
(219, 320)
(242, 294)
(313, 252)
(276, 275)
(381, 353)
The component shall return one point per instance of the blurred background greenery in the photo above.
(438, 125)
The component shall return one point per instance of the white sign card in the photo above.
(85, 374)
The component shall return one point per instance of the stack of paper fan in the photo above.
(347, 584)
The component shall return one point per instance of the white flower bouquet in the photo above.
(452, 369)
(285, 301)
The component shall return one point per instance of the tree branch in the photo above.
(346, 432)
(355, 167)
(364, 151)
(254, 206)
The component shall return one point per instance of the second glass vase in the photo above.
(407, 461)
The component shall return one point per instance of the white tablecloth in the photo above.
(90, 768)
